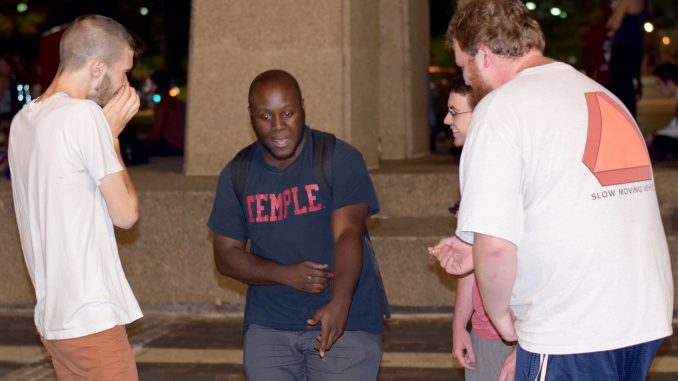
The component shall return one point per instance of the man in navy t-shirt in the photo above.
(312, 284)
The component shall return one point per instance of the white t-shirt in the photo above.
(60, 149)
(554, 164)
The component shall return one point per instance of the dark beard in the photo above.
(478, 92)
(479, 88)
(102, 93)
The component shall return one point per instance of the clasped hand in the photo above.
(121, 108)
(309, 276)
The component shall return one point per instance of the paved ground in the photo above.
(182, 347)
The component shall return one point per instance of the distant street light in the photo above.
(21, 7)
(648, 27)
(666, 40)
(531, 6)
(555, 11)
(143, 11)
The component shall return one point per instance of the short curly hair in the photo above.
(504, 26)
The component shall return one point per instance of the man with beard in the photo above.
(313, 303)
(70, 187)
(558, 199)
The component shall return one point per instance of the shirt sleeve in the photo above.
(351, 183)
(491, 178)
(227, 217)
(94, 142)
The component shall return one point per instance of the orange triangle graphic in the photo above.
(615, 150)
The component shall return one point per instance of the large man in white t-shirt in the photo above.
(70, 188)
(558, 198)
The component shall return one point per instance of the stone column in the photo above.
(330, 46)
(403, 75)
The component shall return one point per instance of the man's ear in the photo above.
(486, 55)
(97, 68)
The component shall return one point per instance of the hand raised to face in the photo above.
(121, 108)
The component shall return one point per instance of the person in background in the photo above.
(663, 144)
(626, 24)
(482, 353)
(9, 106)
(9, 95)
(166, 137)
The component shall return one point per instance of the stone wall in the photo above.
(361, 66)
(167, 256)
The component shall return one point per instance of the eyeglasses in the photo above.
(454, 114)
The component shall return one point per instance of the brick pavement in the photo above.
(207, 347)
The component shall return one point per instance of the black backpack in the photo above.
(323, 147)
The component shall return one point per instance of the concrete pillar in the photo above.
(403, 78)
(330, 46)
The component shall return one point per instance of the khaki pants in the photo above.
(105, 355)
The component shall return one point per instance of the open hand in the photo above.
(462, 349)
(332, 319)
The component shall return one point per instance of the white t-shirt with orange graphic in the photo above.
(554, 164)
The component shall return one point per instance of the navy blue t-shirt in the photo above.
(287, 219)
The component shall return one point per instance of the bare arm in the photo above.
(618, 14)
(232, 260)
(462, 349)
(496, 262)
(121, 196)
(117, 188)
(348, 228)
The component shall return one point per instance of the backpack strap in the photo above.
(240, 167)
(323, 148)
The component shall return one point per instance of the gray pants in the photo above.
(490, 356)
(274, 355)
